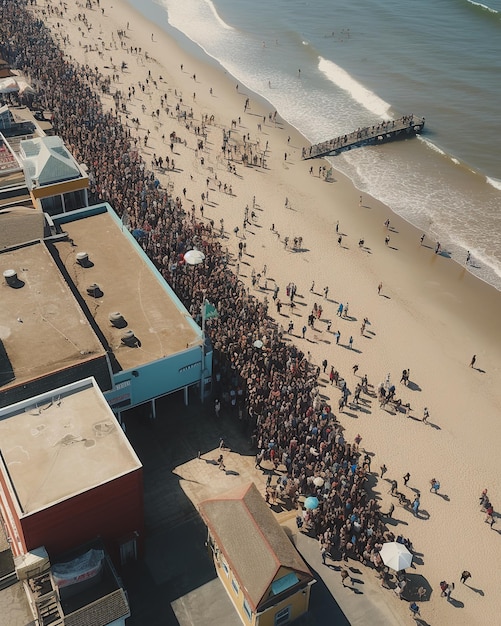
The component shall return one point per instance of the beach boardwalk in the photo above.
(388, 130)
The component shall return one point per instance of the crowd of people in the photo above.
(272, 389)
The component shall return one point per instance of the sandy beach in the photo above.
(430, 317)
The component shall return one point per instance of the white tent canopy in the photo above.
(13, 85)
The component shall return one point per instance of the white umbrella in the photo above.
(8, 85)
(258, 343)
(194, 257)
(395, 555)
(318, 481)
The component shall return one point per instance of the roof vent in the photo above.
(94, 290)
(12, 280)
(10, 277)
(83, 259)
(130, 339)
(117, 320)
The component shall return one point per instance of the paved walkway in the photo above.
(176, 584)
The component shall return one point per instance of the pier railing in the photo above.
(388, 130)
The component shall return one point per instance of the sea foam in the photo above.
(493, 182)
(357, 91)
(484, 7)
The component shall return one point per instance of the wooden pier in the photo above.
(406, 126)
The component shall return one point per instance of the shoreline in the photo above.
(185, 44)
(463, 184)
(431, 303)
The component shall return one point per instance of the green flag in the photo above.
(210, 311)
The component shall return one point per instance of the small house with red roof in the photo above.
(263, 573)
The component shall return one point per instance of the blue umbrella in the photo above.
(138, 233)
(311, 503)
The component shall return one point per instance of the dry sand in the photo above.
(431, 316)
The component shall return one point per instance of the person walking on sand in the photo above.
(350, 343)
(406, 478)
(344, 576)
(323, 552)
(464, 576)
(379, 287)
(422, 238)
(383, 469)
(473, 360)
(489, 510)
(435, 485)
(337, 335)
(426, 415)
(415, 506)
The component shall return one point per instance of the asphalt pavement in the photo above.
(175, 584)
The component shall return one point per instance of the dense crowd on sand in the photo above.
(273, 389)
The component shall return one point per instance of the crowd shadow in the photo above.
(422, 514)
(444, 496)
(475, 590)
(413, 386)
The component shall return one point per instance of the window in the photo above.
(234, 584)
(225, 567)
(247, 609)
(283, 616)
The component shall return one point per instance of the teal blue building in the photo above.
(85, 300)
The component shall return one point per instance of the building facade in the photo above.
(262, 572)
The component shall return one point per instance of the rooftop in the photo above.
(19, 224)
(48, 161)
(14, 606)
(42, 328)
(129, 285)
(8, 160)
(62, 443)
(253, 542)
(13, 187)
(98, 598)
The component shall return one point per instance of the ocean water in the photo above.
(370, 60)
